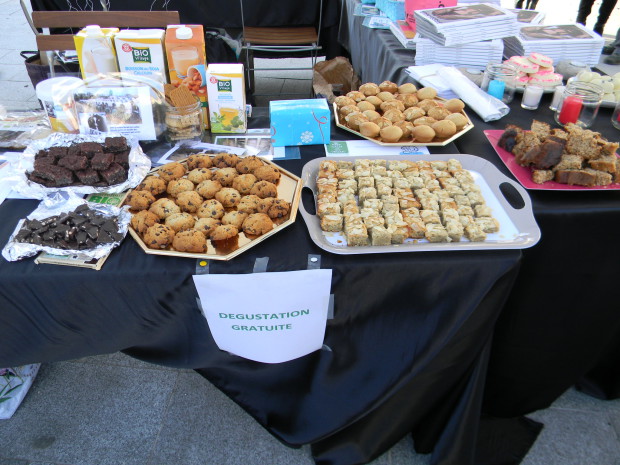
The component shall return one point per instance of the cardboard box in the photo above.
(226, 91)
(187, 61)
(299, 122)
(96, 55)
(141, 53)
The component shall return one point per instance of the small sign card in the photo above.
(365, 148)
(267, 317)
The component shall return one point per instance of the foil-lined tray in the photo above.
(139, 166)
(56, 205)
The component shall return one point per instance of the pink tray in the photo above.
(524, 175)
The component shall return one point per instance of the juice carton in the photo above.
(95, 50)
(141, 53)
(226, 91)
(187, 60)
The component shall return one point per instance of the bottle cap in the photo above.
(184, 33)
(94, 31)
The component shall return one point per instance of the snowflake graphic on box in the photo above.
(306, 137)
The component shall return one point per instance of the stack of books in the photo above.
(465, 24)
(405, 34)
(475, 55)
(560, 42)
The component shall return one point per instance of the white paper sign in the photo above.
(366, 148)
(267, 317)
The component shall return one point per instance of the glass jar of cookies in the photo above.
(579, 104)
(184, 122)
(500, 80)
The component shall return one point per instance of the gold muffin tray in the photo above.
(289, 189)
(438, 143)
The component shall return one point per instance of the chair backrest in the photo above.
(79, 19)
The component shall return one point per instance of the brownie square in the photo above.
(115, 174)
(90, 149)
(43, 161)
(57, 175)
(57, 152)
(88, 177)
(39, 180)
(115, 144)
(74, 150)
(122, 158)
(101, 161)
(73, 162)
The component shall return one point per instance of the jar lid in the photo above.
(184, 33)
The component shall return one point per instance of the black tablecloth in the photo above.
(406, 351)
(376, 54)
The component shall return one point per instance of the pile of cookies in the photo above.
(183, 113)
(183, 206)
(535, 69)
(391, 113)
(379, 202)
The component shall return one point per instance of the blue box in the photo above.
(299, 122)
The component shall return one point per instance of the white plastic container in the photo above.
(56, 96)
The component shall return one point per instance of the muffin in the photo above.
(228, 197)
(225, 176)
(248, 164)
(158, 236)
(206, 225)
(235, 218)
(199, 160)
(198, 175)
(257, 224)
(171, 171)
(210, 209)
(176, 186)
(208, 189)
(225, 160)
(180, 221)
(278, 209)
(154, 184)
(264, 189)
(139, 200)
(224, 236)
(189, 201)
(249, 204)
(244, 183)
(164, 208)
(143, 220)
(190, 241)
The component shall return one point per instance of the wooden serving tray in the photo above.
(289, 189)
(439, 143)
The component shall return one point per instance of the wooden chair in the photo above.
(78, 19)
(279, 42)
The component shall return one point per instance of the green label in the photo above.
(337, 147)
(224, 85)
(141, 54)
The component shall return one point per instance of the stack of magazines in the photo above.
(464, 24)
(560, 42)
(405, 34)
(474, 55)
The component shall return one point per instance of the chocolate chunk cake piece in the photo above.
(88, 177)
(90, 149)
(101, 161)
(122, 158)
(57, 152)
(115, 144)
(115, 174)
(73, 162)
(56, 175)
